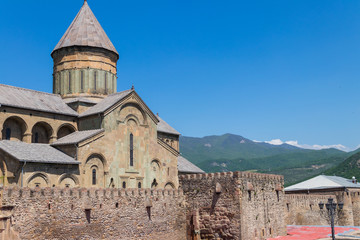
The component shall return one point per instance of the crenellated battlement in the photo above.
(54, 192)
(307, 196)
(206, 175)
(237, 174)
(95, 212)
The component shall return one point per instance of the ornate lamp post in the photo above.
(331, 207)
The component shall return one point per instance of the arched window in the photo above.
(69, 82)
(8, 134)
(95, 80)
(139, 185)
(94, 177)
(82, 80)
(131, 149)
(124, 184)
(36, 140)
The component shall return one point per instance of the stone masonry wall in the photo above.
(303, 209)
(211, 215)
(79, 213)
(355, 205)
(262, 205)
(234, 205)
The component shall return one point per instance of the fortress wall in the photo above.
(79, 213)
(355, 203)
(262, 205)
(219, 205)
(303, 209)
(212, 215)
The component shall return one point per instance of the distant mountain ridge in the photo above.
(229, 146)
(230, 152)
(348, 168)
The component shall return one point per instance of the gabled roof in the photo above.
(85, 30)
(185, 166)
(79, 99)
(323, 182)
(106, 103)
(34, 100)
(77, 137)
(165, 127)
(35, 152)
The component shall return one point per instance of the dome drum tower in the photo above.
(84, 59)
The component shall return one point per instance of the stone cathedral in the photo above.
(88, 162)
(85, 133)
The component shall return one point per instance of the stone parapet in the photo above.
(237, 174)
(95, 213)
(18, 192)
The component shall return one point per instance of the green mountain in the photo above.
(231, 152)
(348, 168)
(229, 146)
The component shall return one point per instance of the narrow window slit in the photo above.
(69, 82)
(88, 215)
(82, 81)
(95, 80)
(94, 177)
(131, 149)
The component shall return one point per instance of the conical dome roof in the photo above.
(85, 30)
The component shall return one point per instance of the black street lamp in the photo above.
(331, 207)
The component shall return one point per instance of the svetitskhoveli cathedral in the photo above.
(86, 133)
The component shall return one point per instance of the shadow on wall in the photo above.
(214, 201)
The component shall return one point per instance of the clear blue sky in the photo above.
(260, 69)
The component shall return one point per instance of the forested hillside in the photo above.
(231, 152)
